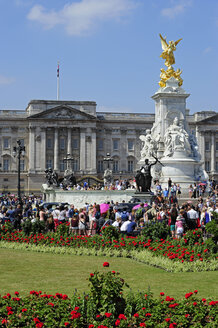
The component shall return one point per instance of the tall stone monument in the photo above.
(170, 138)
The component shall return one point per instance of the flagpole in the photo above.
(58, 83)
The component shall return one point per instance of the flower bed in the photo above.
(190, 248)
(106, 307)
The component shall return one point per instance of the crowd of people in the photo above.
(90, 219)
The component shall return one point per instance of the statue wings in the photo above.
(163, 43)
(176, 42)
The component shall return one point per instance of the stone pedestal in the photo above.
(144, 197)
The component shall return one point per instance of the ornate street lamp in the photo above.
(19, 151)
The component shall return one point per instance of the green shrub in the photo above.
(212, 228)
(156, 230)
(110, 233)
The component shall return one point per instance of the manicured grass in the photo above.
(24, 271)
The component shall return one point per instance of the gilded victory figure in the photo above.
(168, 55)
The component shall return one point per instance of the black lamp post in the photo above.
(19, 151)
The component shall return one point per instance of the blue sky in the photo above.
(108, 51)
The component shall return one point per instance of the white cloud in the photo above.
(79, 18)
(177, 9)
(4, 80)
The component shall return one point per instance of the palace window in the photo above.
(115, 144)
(100, 144)
(49, 163)
(49, 143)
(6, 143)
(6, 164)
(62, 165)
(115, 166)
(207, 145)
(130, 166)
(62, 143)
(217, 166)
(22, 164)
(75, 143)
(130, 145)
(207, 166)
(100, 166)
(75, 165)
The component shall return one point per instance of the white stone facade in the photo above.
(51, 129)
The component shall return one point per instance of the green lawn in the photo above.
(24, 271)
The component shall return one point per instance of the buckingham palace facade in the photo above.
(50, 130)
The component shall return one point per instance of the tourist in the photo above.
(131, 227)
(92, 221)
(74, 224)
(173, 217)
(192, 215)
(180, 224)
(190, 191)
(178, 191)
(82, 224)
(124, 226)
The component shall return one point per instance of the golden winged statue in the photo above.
(168, 50)
(168, 55)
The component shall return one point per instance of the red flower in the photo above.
(67, 324)
(4, 321)
(161, 294)
(108, 315)
(91, 326)
(136, 315)
(16, 293)
(195, 291)
(142, 324)
(117, 323)
(188, 295)
(106, 264)
(91, 274)
(76, 308)
(39, 325)
(113, 272)
(148, 314)
(167, 319)
(204, 300)
(24, 310)
(122, 317)
(213, 303)
(195, 303)
(52, 304)
(187, 315)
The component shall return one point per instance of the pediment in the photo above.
(63, 113)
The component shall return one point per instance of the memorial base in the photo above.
(144, 197)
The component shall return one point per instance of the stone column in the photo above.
(202, 137)
(93, 152)
(82, 149)
(56, 145)
(213, 153)
(69, 141)
(43, 149)
(31, 149)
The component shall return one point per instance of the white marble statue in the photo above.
(149, 145)
(108, 176)
(176, 139)
(194, 146)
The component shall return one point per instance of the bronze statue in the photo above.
(143, 176)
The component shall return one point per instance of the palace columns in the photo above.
(213, 152)
(43, 149)
(93, 152)
(69, 141)
(202, 145)
(56, 145)
(82, 150)
(31, 149)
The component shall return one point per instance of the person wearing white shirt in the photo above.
(124, 226)
(192, 217)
